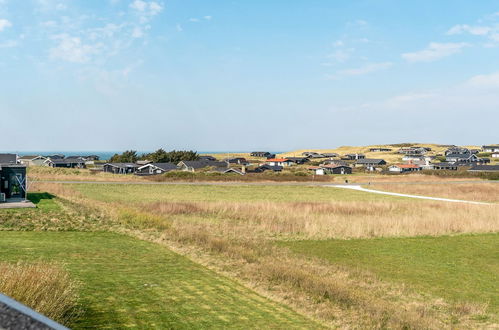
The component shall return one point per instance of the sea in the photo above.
(105, 155)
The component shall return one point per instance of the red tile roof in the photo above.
(277, 160)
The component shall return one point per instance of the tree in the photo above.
(129, 156)
(174, 156)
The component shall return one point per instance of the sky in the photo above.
(238, 75)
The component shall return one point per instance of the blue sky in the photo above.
(243, 75)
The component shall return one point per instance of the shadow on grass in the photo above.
(36, 198)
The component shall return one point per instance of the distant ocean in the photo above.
(104, 155)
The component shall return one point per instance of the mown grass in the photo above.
(50, 214)
(458, 268)
(127, 283)
(235, 193)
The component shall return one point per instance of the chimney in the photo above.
(243, 169)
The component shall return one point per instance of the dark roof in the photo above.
(370, 161)
(272, 167)
(207, 157)
(234, 170)
(68, 161)
(336, 162)
(8, 158)
(203, 163)
(485, 168)
(330, 154)
(122, 165)
(459, 155)
(487, 147)
(164, 166)
(298, 159)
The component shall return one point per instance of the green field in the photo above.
(135, 284)
(459, 268)
(213, 193)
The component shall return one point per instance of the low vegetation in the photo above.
(458, 268)
(128, 283)
(484, 192)
(238, 238)
(45, 287)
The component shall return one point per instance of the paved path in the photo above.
(359, 188)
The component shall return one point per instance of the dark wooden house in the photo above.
(13, 182)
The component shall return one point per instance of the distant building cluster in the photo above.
(13, 180)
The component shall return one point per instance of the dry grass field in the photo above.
(234, 231)
(485, 192)
(45, 287)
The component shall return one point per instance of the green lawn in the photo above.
(128, 283)
(49, 214)
(231, 193)
(459, 268)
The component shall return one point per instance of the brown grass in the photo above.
(302, 220)
(44, 287)
(235, 238)
(485, 192)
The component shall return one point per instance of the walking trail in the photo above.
(355, 187)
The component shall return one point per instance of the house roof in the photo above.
(8, 158)
(334, 166)
(488, 147)
(272, 167)
(370, 161)
(298, 159)
(163, 166)
(202, 163)
(457, 155)
(235, 170)
(68, 161)
(278, 160)
(122, 165)
(485, 168)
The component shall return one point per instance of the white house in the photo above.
(33, 160)
(490, 148)
(317, 170)
(495, 155)
(404, 168)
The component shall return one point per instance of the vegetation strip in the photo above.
(359, 188)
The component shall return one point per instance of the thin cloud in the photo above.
(435, 51)
(366, 69)
(360, 71)
(4, 23)
(73, 49)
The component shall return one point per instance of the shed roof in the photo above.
(8, 158)
(370, 161)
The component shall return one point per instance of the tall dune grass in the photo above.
(44, 287)
(332, 220)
